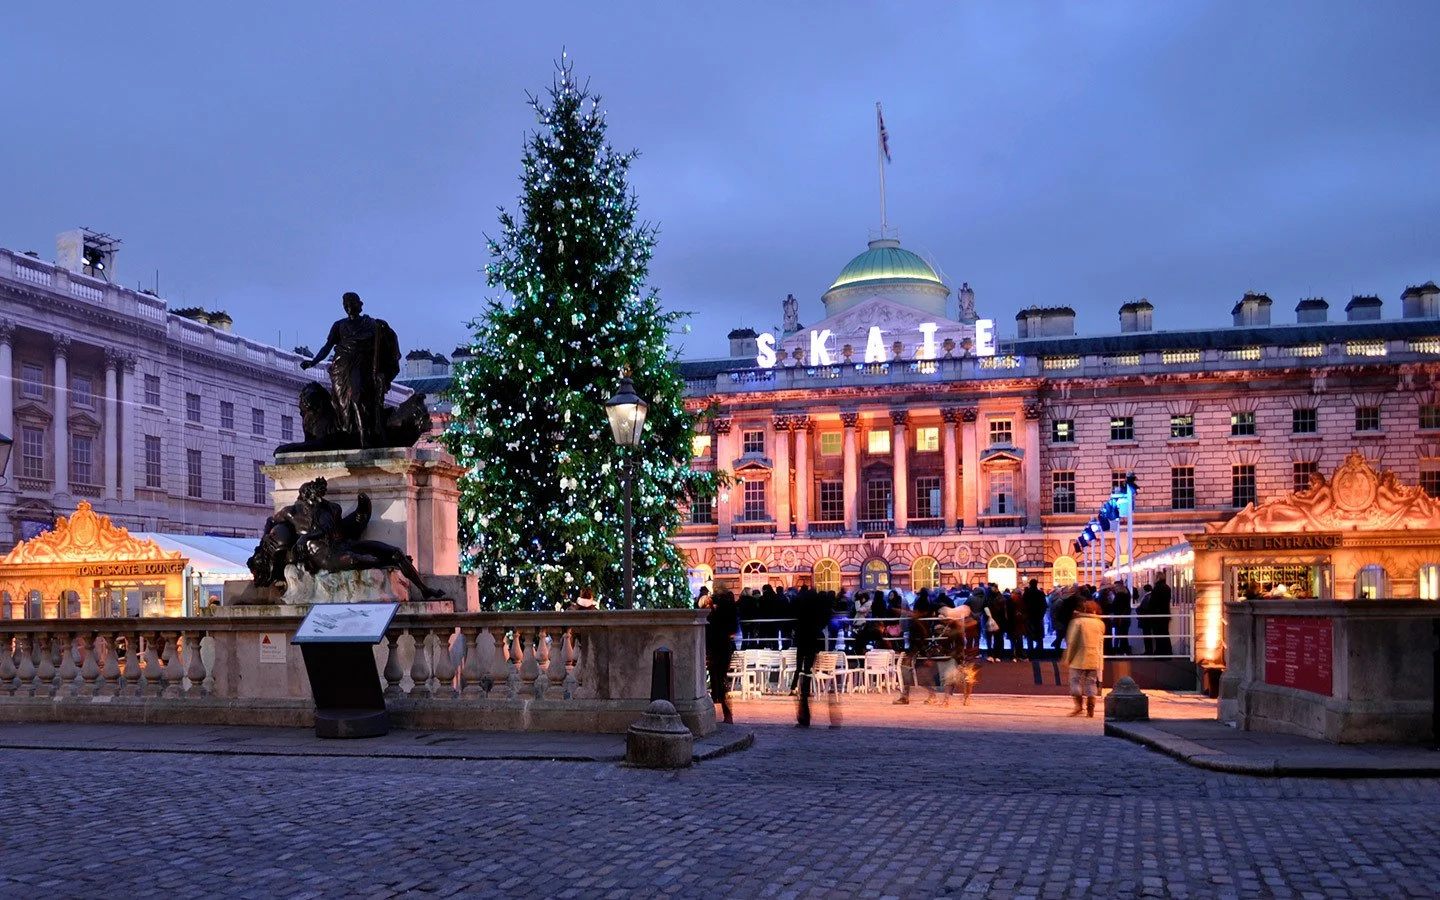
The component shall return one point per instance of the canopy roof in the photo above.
(208, 555)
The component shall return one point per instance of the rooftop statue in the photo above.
(314, 534)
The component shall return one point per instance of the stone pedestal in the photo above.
(1126, 702)
(365, 586)
(659, 740)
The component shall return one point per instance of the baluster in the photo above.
(392, 672)
(130, 685)
(7, 663)
(195, 666)
(542, 664)
(514, 681)
(444, 665)
(170, 673)
(555, 661)
(420, 668)
(572, 684)
(90, 668)
(111, 669)
(499, 665)
(470, 686)
(25, 669)
(152, 682)
(66, 686)
(44, 682)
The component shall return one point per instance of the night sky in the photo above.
(266, 157)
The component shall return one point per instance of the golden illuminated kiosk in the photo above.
(86, 567)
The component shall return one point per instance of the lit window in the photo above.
(927, 439)
(700, 445)
(1182, 487)
(1303, 471)
(831, 443)
(1122, 428)
(1304, 421)
(754, 501)
(1242, 424)
(1064, 571)
(832, 501)
(1062, 492)
(227, 478)
(1371, 583)
(878, 441)
(1242, 485)
(1182, 426)
(877, 498)
(1062, 431)
(32, 380)
(826, 575)
(925, 573)
(925, 502)
(1429, 581)
(1001, 432)
(1367, 418)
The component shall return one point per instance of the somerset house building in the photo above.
(907, 439)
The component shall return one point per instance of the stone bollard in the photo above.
(659, 740)
(1126, 702)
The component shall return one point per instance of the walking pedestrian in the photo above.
(1033, 600)
(914, 656)
(1159, 619)
(1085, 657)
(812, 615)
(720, 632)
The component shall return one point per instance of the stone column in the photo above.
(852, 475)
(801, 426)
(900, 458)
(724, 459)
(129, 457)
(780, 475)
(7, 385)
(111, 425)
(970, 465)
(950, 492)
(62, 414)
(1032, 466)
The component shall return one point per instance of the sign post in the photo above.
(336, 640)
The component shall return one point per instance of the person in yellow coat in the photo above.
(1085, 656)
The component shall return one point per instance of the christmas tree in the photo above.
(541, 505)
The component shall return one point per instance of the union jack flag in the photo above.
(884, 135)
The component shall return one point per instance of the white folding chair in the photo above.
(824, 671)
(739, 675)
(789, 662)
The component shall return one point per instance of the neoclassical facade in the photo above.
(891, 445)
(159, 419)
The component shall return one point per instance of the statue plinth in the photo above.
(414, 493)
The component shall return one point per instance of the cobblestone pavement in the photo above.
(998, 799)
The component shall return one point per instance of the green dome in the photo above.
(886, 261)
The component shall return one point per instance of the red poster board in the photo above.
(1299, 652)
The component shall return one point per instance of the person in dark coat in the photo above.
(1157, 630)
(1016, 614)
(812, 614)
(1120, 618)
(1033, 600)
(720, 632)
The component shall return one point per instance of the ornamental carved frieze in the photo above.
(86, 537)
(1355, 498)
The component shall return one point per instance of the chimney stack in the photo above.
(1253, 309)
(1312, 310)
(1421, 301)
(1363, 308)
(1136, 316)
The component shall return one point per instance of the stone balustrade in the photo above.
(574, 671)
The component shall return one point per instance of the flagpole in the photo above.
(880, 154)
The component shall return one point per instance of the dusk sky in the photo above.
(266, 157)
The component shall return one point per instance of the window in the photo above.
(227, 478)
(1303, 471)
(1367, 418)
(752, 442)
(1117, 481)
(927, 439)
(1001, 432)
(1430, 482)
(754, 501)
(192, 408)
(1371, 583)
(925, 573)
(1002, 493)
(257, 421)
(1182, 426)
(1182, 487)
(1242, 485)
(193, 483)
(826, 575)
(227, 415)
(1122, 428)
(152, 390)
(878, 441)
(831, 443)
(32, 452)
(152, 461)
(1062, 492)
(261, 494)
(877, 498)
(82, 390)
(1062, 431)
(699, 444)
(702, 511)
(832, 501)
(82, 459)
(1064, 571)
(287, 431)
(925, 503)
(1304, 421)
(32, 380)
(1428, 580)
(1430, 415)
(1242, 424)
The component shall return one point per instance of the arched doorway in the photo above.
(925, 573)
(1064, 572)
(753, 575)
(1003, 572)
(826, 575)
(875, 575)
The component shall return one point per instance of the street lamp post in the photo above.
(627, 423)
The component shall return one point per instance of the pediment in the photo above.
(34, 413)
(1355, 498)
(1002, 455)
(85, 537)
(84, 421)
(752, 464)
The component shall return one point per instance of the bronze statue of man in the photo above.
(367, 359)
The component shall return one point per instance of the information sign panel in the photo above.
(347, 623)
(1299, 652)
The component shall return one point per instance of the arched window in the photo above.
(1064, 572)
(1371, 583)
(1429, 581)
(826, 575)
(925, 573)
(875, 575)
(752, 575)
(698, 577)
(1003, 573)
